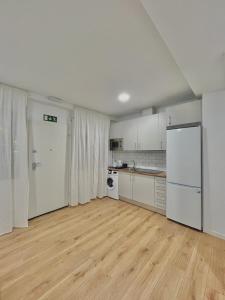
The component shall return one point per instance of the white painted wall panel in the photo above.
(214, 162)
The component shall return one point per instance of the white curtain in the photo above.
(89, 156)
(14, 183)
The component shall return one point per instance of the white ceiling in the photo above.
(194, 31)
(87, 52)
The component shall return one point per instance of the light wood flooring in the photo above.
(110, 250)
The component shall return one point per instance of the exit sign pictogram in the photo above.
(50, 118)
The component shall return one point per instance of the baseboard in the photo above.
(148, 207)
(215, 233)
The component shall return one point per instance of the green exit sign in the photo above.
(49, 118)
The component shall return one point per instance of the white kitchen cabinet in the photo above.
(143, 189)
(184, 113)
(146, 191)
(130, 132)
(162, 129)
(125, 185)
(141, 134)
(149, 132)
(160, 193)
(149, 137)
(116, 130)
(127, 130)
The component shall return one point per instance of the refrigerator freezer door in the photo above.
(184, 205)
(184, 156)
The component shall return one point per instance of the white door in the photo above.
(144, 189)
(47, 158)
(125, 187)
(184, 156)
(184, 205)
(148, 133)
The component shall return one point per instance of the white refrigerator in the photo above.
(184, 175)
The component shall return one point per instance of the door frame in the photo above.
(68, 143)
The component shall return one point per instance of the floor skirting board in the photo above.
(214, 233)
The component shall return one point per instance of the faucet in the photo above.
(134, 165)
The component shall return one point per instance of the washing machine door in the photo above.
(110, 183)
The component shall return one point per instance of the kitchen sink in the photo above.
(151, 171)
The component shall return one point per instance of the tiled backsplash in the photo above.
(142, 158)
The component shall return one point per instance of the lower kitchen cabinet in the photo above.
(146, 191)
(160, 193)
(143, 189)
(125, 186)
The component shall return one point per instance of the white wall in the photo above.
(213, 106)
(155, 159)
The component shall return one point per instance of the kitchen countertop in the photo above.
(127, 170)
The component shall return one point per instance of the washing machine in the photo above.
(112, 185)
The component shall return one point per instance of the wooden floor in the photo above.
(110, 250)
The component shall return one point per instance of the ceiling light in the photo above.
(124, 97)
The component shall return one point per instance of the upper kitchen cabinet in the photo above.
(184, 113)
(141, 134)
(149, 137)
(130, 134)
(162, 129)
(116, 130)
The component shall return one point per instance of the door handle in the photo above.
(35, 165)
